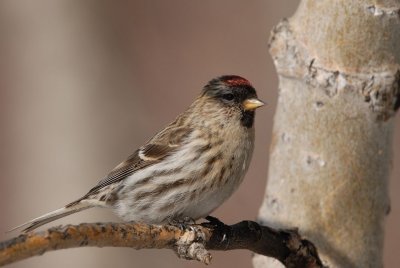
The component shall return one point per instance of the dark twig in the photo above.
(190, 242)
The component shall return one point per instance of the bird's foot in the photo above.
(182, 223)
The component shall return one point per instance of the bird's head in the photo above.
(234, 93)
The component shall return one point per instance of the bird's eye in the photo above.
(228, 97)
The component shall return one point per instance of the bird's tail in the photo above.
(69, 209)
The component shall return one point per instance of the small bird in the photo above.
(186, 170)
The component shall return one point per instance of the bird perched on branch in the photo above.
(186, 170)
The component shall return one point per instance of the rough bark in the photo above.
(188, 241)
(330, 157)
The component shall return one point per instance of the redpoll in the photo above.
(186, 170)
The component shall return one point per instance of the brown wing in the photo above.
(159, 147)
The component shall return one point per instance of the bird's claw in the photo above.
(182, 223)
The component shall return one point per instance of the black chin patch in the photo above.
(247, 119)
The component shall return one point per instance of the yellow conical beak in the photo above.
(252, 104)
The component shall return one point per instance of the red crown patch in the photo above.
(237, 81)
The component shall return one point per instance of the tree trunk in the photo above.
(338, 66)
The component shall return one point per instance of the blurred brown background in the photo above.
(84, 83)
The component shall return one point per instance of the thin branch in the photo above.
(188, 241)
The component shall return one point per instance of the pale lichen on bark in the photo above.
(338, 64)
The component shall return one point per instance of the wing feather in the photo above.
(159, 147)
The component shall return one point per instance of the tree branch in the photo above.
(188, 241)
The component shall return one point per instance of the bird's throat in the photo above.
(247, 119)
